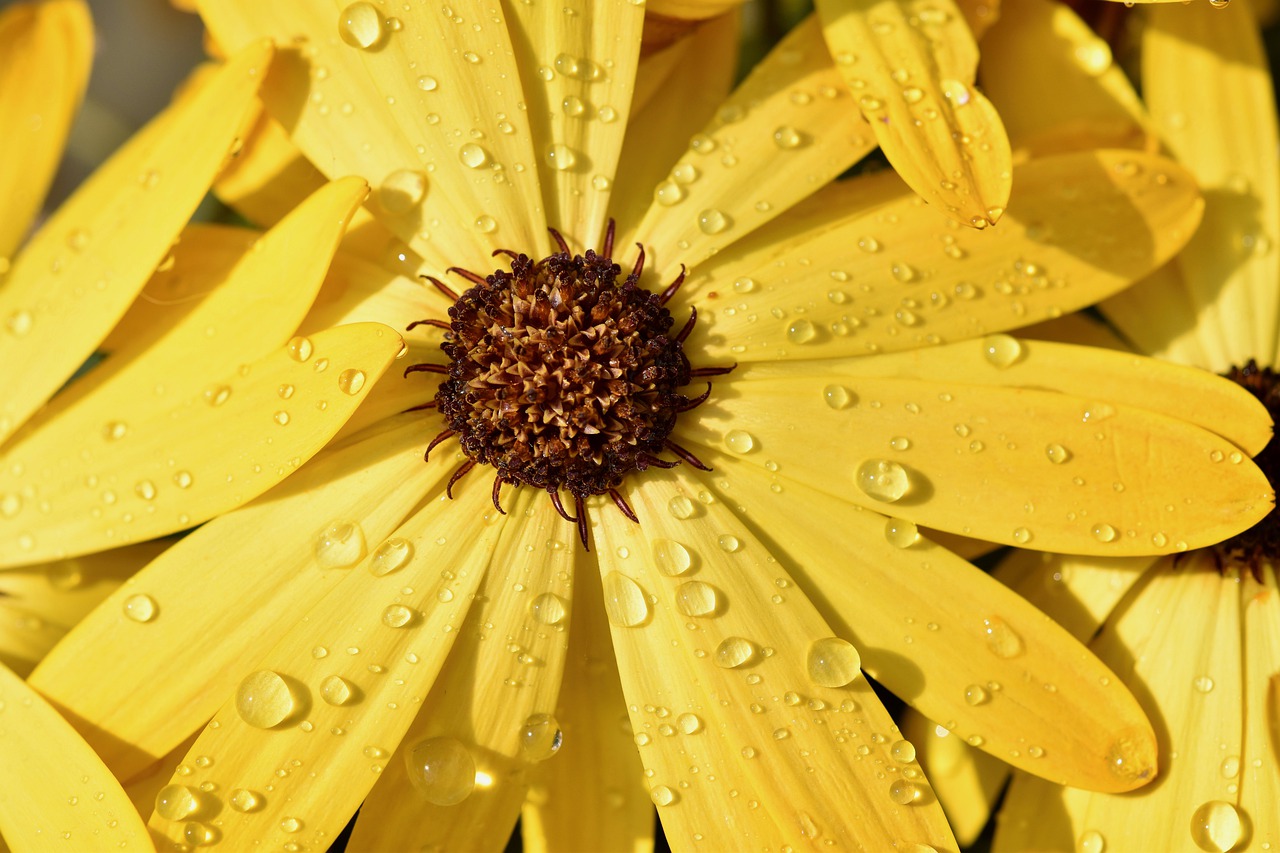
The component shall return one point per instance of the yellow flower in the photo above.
(356, 626)
(1193, 635)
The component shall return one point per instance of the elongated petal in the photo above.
(966, 780)
(864, 267)
(261, 567)
(383, 644)
(592, 796)
(80, 272)
(950, 640)
(578, 113)
(1159, 316)
(269, 175)
(201, 456)
(1260, 773)
(1055, 84)
(58, 794)
(423, 87)
(497, 699)
(45, 53)
(788, 129)
(1206, 82)
(746, 694)
(693, 10)
(911, 67)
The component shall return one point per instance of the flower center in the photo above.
(1262, 541)
(563, 377)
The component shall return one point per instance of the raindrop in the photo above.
(291, 824)
(141, 608)
(1091, 841)
(668, 193)
(1057, 453)
(903, 751)
(801, 332)
(833, 662)
(198, 835)
(671, 557)
(361, 26)
(1104, 532)
(662, 795)
(560, 157)
(1001, 350)
(398, 616)
(695, 598)
(680, 507)
(473, 156)
(739, 441)
(904, 273)
(548, 609)
(336, 690)
(904, 792)
(1216, 826)
(837, 396)
(729, 542)
(883, 480)
(217, 395)
(427, 83)
(263, 699)
(442, 769)
(390, 556)
(624, 601)
(713, 221)
(299, 348)
(901, 533)
(1003, 641)
(485, 224)
(402, 191)
(244, 800)
(1203, 684)
(1021, 535)
(976, 694)
(734, 652)
(175, 802)
(540, 737)
(340, 545)
(787, 137)
(689, 723)
(1131, 756)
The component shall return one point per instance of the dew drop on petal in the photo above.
(299, 348)
(903, 751)
(473, 156)
(1021, 535)
(1131, 756)
(540, 737)
(671, 557)
(1057, 453)
(739, 441)
(680, 507)
(713, 221)
(562, 158)
(904, 792)
(1001, 350)
(244, 800)
(735, 651)
(390, 556)
(1203, 684)
(351, 381)
(801, 332)
(833, 662)
(340, 545)
(1091, 841)
(1216, 826)
(336, 690)
(360, 25)
(695, 598)
(548, 608)
(624, 601)
(175, 802)
(1104, 532)
(662, 795)
(883, 479)
(263, 699)
(398, 616)
(787, 137)
(837, 396)
(976, 694)
(901, 533)
(442, 769)
(689, 723)
(1002, 640)
(140, 608)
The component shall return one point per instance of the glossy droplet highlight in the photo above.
(1104, 532)
(1216, 826)
(1091, 841)
(883, 479)
(833, 662)
(398, 616)
(140, 608)
(904, 792)
(1131, 756)
(734, 652)
(713, 221)
(901, 533)
(1003, 641)
(662, 795)
(689, 723)
(263, 699)
(473, 156)
(1057, 454)
(340, 545)
(801, 332)
(336, 690)
(739, 441)
(540, 737)
(441, 769)
(695, 598)
(244, 800)
(680, 507)
(560, 157)
(1001, 350)
(299, 348)
(175, 802)
(903, 751)
(390, 556)
(671, 557)
(624, 601)
(548, 609)
(976, 694)
(360, 25)
(351, 381)
(837, 396)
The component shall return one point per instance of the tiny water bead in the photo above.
(833, 662)
(140, 608)
(442, 770)
(883, 479)
(739, 441)
(540, 737)
(264, 700)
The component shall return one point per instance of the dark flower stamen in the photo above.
(1260, 543)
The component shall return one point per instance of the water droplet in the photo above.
(402, 191)
(361, 25)
(689, 723)
(340, 545)
(739, 441)
(976, 694)
(624, 601)
(671, 557)
(695, 598)
(540, 737)
(801, 332)
(427, 83)
(1001, 350)
(1002, 640)
(1057, 453)
(485, 224)
(728, 542)
(735, 651)
(903, 751)
(217, 395)
(1230, 767)
(1131, 756)
(1103, 532)
(1021, 535)
(713, 221)
(175, 802)
(668, 193)
(837, 396)
(904, 792)
(548, 609)
(299, 348)
(442, 769)
(1216, 826)
(1091, 841)
(473, 156)
(1203, 684)
(141, 608)
(263, 699)
(244, 800)
(883, 479)
(904, 273)
(390, 556)
(291, 824)
(901, 533)
(833, 662)
(336, 690)
(560, 157)
(398, 616)
(19, 323)
(680, 507)
(662, 795)
(787, 137)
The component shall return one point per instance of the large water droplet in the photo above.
(713, 221)
(299, 348)
(689, 723)
(904, 792)
(473, 156)
(883, 479)
(540, 737)
(1104, 532)
(671, 557)
(801, 332)
(398, 616)
(901, 533)
(1091, 841)
(175, 802)
(976, 694)
(562, 158)
(336, 690)
(680, 507)
(1002, 640)
(662, 795)
(833, 662)
(624, 601)
(1057, 453)
(442, 769)
(340, 545)
(548, 609)
(1216, 826)
(837, 396)
(739, 441)
(360, 25)
(1001, 350)
(140, 608)
(695, 598)
(263, 699)
(244, 800)
(735, 652)
(390, 556)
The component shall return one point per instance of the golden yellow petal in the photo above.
(1077, 328)
(58, 794)
(945, 637)
(337, 692)
(269, 175)
(760, 693)
(1159, 315)
(578, 113)
(403, 113)
(1259, 773)
(865, 267)
(45, 53)
(693, 10)
(199, 457)
(1022, 466)
(966, 780)
(1054, 82)
(910, 67)
(980, 15)
(591, 796)
(1207, 84)
(42, 603)
(231, 587)
(507, 662)
(665, 115)
(82, 269)
(788, 129)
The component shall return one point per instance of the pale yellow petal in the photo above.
(578, 111)
(946, 637)
(269, 176)
(983, 461)
(1159, 315)
(496, 695)
(229, 588)
(82, 269)
(966, 780)
(385, 639)
(52, 43)
(910, 66)
(592, 796)
(422, 89)
(787, 130)
(198, 457)
(758, 693)
(1054, 82)
(58, 795)
(1260, 756)
(1206, 83)
(865, 267)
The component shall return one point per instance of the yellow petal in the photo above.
(983, 461)
(980, 15)
(578, 113)
(947, 638)
(58, 794)
(80, 272)
(693, 10)
(911, 73)
(591, 796)
(342, 732)
(1077, 328)
(788, 129)
(1055, 84)
(1260, 777)
(422, 88)
(256, 570)
(966, 780)
(269, 175)
(864, 267)
(1206, 82)
(200, 457)
(40, 604)
(52, 43)
(1159, 315)
(664, 117)
(746, 695)
(507, 663)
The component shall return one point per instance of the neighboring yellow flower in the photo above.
(1197, 635)
(355, 625)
